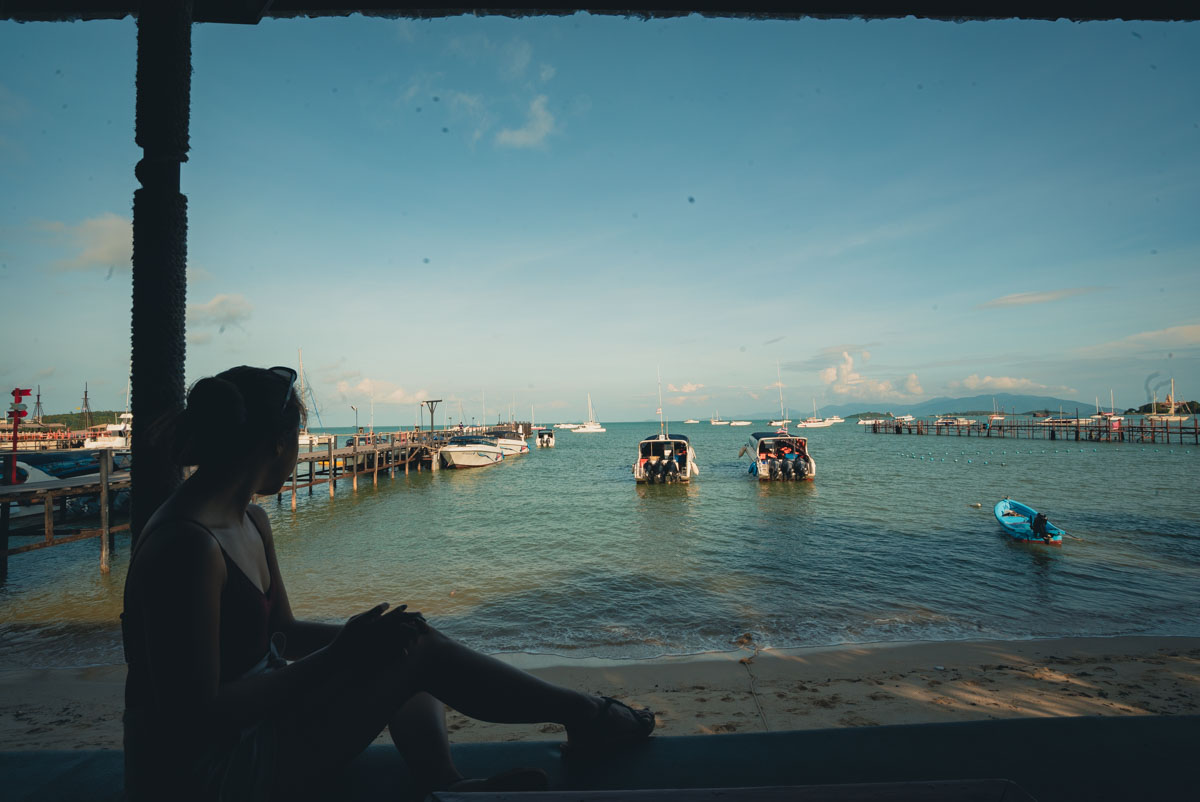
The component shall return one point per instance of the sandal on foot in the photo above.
(515, 780)
(603, 733)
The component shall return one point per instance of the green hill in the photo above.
(74, 420)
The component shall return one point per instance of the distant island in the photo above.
(1182, 408)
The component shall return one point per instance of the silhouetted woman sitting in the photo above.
(228, 696)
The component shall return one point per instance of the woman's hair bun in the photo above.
(214, 401)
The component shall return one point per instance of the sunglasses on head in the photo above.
(288, 375)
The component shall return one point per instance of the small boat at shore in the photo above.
(471, 451)
(665, 459)
(1026, 524)
(779, 455)
(545, 438)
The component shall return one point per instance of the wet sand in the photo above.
(742, 691)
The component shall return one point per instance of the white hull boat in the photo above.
(471, 451)
(592, 426)
(779, 456)
(511, 443)
(739, 423)
(545, 438)
(665, 459)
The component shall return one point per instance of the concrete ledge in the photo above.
(1081, 758)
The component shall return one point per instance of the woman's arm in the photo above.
(303, 637)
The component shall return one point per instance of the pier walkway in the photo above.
(1094, 431)
(367, 457)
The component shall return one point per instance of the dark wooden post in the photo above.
(105, 541)
(164, 75)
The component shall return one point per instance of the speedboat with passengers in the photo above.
(471, 451)
(665, 459)
(781, 456)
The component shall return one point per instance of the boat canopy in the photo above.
(471, 440)
(682, 437)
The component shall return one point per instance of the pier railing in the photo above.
(1093, 431)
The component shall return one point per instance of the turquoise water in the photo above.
(560, 552)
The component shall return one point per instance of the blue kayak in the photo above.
(1018, 521)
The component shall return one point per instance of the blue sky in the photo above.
(537, 209)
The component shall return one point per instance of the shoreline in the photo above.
(744, 690)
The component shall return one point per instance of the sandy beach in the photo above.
(747, 690)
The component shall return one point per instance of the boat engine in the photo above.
(671, 472)
(801, 467)
(774, 468)
(789, 469)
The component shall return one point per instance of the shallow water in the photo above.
(560, 552)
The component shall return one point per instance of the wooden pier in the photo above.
(1140, 431)
(367, 457)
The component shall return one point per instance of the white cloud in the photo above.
(1006, 384)
(690, 387)
(515, 58)
(382, 392)
(44, 373)
(197, 274)
(199, 337)
(844, 380)
(547, 72)
(680, 400)
(1027, 298)
(13, 107)
(101, 243)
(222, 311)
(531, 135)
(1175, 337)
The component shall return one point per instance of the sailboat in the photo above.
(1110, 417)
(715, 420)
(592, 425)
(114, 435)
(784, 420)
(533, 427)
(1171, 415)
(304, 437)
(814, 422)
(998, 417)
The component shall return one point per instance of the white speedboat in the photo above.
(114, 435)
(592, 425)
(567, 426)
(545, 438)
(873, 421)
(952, 420)
(904, 418)
(665, 459)
(691, 420)
(780, 456)
(471, 451)
(739, 423)
(511, 442)
(836, 419)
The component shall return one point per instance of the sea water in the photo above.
(560, 552)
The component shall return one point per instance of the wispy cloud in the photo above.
(828, 354)
(100, 243)
(680, 400)
(976, 383)
(199, 337)
(538, 126)
(44, 373)
(13, 107)
(1173, 338)
(381, 392)
(220, 312)
(1027, 298)
(690, 387)
(547, 72)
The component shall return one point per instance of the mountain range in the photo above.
(943, 405)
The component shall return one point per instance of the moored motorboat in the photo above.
(1026, 524)
(691, 420)
(779, 455)
(545, 438)
(471, 451)
(715, 420)
(511, 442)
(665, 459)
(739, 423)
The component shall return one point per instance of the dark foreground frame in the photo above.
(1050, 759)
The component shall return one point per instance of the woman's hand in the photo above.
(374, 636)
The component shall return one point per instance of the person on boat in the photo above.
(229, 696)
